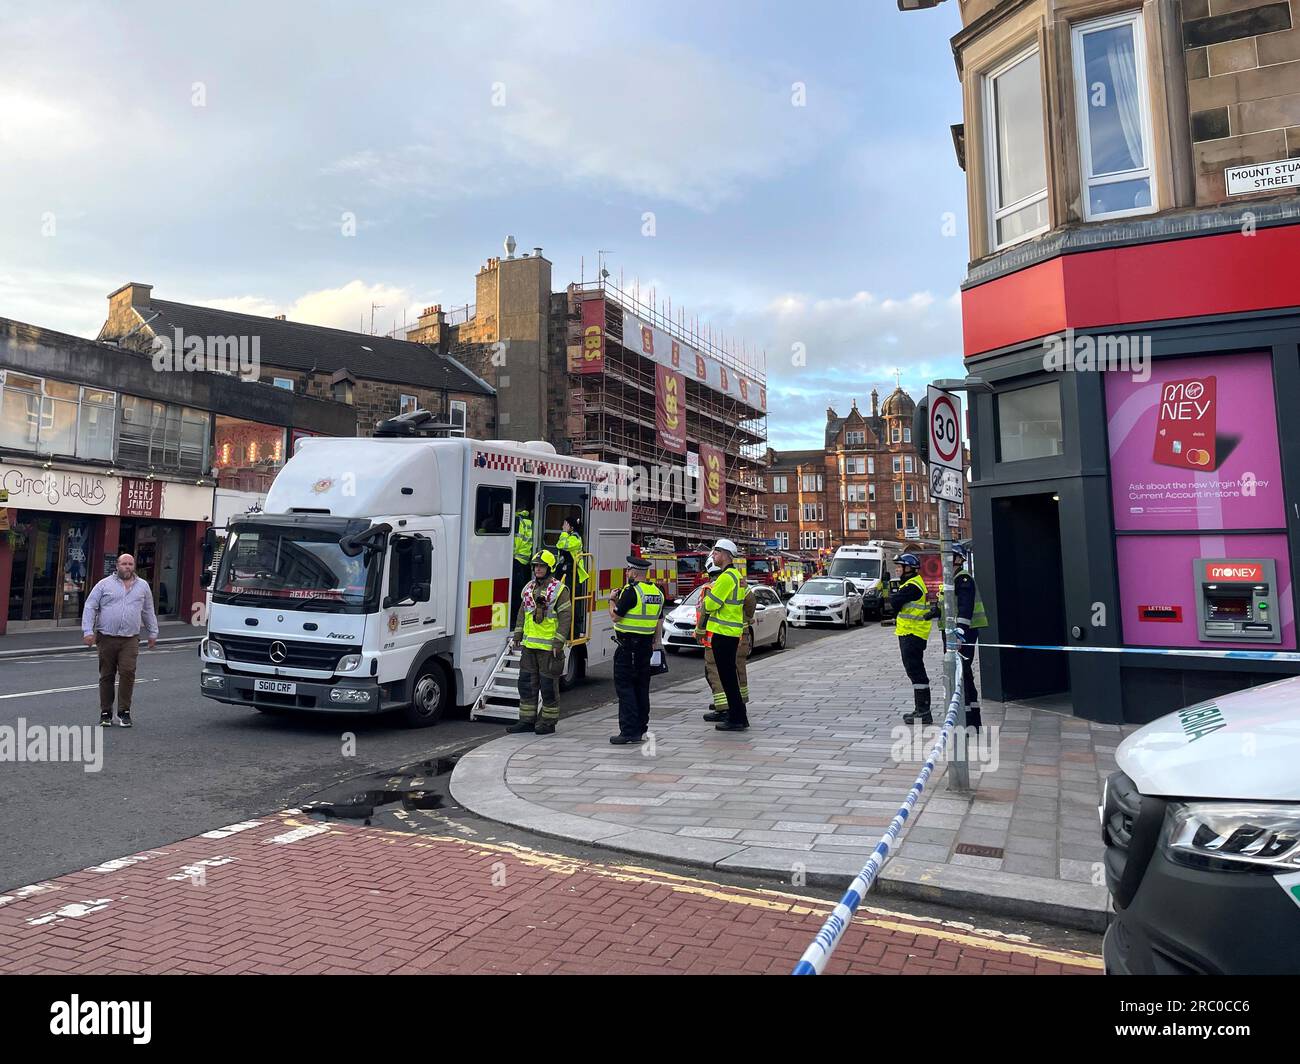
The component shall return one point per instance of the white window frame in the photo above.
(996, 214)
(779, 485)
(283, 382)
(907, 463)
(458, 406)
(1081, 97)
(781, 512)
(871, 464)
(402, 403)
(783, 540)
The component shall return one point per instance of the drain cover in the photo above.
(971, 849)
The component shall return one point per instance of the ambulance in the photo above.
(379, 576)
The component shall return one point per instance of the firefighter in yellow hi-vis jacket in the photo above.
(542, 631)
(724, 603)
(718, 710)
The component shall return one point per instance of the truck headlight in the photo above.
(348, 663)
(210, 648)
(1238, 836)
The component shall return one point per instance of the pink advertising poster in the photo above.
(1157, 586)
(1195, 446)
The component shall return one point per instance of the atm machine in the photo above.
(1236, 598)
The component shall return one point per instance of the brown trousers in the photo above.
(117, 656)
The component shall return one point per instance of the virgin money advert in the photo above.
(1195, 447)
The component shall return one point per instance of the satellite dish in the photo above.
(510, 247)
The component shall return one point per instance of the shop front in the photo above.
(67, 527)
(1140, 516)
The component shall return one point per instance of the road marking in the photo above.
(71, 912)
(62, 690)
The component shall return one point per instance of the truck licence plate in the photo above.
(276, 687)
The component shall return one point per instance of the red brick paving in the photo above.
(363, 900)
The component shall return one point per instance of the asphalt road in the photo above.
(191, 764)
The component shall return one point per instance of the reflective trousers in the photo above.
(540, 670)
(742, 673)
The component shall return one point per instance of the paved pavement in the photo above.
(47, 641)
(284, 894)
(809, 789)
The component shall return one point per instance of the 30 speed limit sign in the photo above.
(945, 429)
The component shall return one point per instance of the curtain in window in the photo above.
(1123, 72)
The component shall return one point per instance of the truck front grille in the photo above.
(256, 650)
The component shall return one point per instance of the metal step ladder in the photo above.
(499, 699)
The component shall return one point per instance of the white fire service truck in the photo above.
(380, 576)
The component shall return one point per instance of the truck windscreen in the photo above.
(295, 568)
(855, 568)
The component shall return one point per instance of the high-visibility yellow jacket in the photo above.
(911, 619)
(572, 542)
(724, 602)
(643, 618)
(524, 540)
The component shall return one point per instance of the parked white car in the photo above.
(826, 600)
(769, 627)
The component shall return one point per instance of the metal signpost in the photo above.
(947, 485)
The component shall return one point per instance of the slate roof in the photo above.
(295, 345)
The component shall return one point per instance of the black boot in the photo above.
(715, 715)
(521, 726)
(922, 711)
(545, 727)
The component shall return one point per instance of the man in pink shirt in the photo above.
(116, 609)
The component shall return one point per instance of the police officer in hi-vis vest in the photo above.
(913, 615)
(637, 613)
(970, 619)
(724, 603)
(543, 631)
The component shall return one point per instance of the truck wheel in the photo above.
(429, 697)
(575, 668)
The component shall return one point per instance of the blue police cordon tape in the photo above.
(819, 951)
(1239, 655)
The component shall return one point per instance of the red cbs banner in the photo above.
(713, 488)
(670, 409)
(593, 336)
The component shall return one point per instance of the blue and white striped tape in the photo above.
(819, 951)
(1240, 655)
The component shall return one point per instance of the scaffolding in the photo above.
(616, 411)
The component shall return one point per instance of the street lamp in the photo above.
(917, 5)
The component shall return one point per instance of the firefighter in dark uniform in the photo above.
(637, 613)
(913, 615)
(543, 630)
(970, 619)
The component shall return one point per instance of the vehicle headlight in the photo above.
(210, 648)
(1234, 835)
(348, 663)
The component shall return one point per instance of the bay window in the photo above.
(1015, 152)
(1114, 114)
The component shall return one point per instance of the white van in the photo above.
(1202, 832)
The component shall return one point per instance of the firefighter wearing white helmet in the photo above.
(543, 632)
(724, 607)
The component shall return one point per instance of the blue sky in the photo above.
(214, 151)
